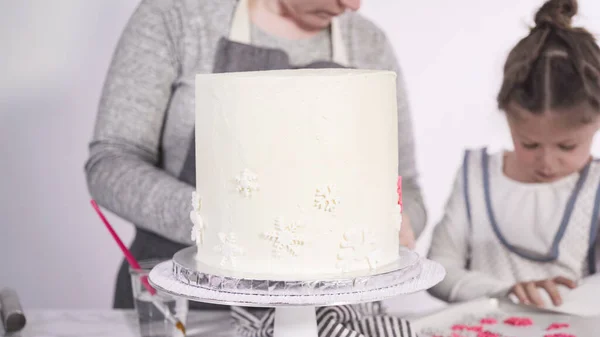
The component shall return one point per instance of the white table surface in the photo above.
(123, 323)
(113, 323)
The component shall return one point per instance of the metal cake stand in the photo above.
(294, 301)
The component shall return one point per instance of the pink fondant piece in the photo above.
(487, 334)
(400, 191)
(518, 321)
(464, 327)
(488, 321)
(556, 326)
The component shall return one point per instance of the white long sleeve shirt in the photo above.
(513, 232)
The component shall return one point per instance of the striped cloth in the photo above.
(359, 320)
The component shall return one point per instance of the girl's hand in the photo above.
(529, 292)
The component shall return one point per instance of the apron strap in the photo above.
(240, 32)
(240, 25)
(338, 48)
(523, 252)
(594, 243)
(468, 207)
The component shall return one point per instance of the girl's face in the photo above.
(316, 14)
(548, 146)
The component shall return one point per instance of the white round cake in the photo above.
(296, 173)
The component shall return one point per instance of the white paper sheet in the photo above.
(440, 323)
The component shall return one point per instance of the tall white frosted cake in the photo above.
(296, 172)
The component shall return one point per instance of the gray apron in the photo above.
(234, 54)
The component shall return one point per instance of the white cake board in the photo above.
(295, 301)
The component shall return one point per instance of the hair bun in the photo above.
(557, 13)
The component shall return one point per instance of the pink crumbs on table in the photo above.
(488, 321)
(487, 334)
(518, 321)
(556, 326)
(464, 327)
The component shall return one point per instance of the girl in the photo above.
(521, 220)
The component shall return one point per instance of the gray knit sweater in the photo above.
(146, 113)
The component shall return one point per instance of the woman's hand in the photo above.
(529, 292)
(407, 235)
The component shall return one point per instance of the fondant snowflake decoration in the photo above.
(198, 229)
(285, 238)
(197, 234)
(229, 249)
(356, 247)
(196, 201)
(247, 183)
(325, 198)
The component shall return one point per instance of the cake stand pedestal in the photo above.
(294, 301)
(295, 322)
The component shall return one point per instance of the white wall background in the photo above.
(54, 56)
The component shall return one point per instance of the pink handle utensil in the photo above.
(135, 265)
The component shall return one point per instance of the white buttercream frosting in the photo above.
(288, 163)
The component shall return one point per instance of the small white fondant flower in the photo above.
(197, 234)
(228, 248)
(345, 259)
(247, 183)
(196, 201)
(285, 237)
(374, 258)
(359, 246)
(325, 198)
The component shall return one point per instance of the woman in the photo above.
(142, 164)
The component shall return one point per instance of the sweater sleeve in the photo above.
(449, 248)
(413, 205)
(122, 169)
